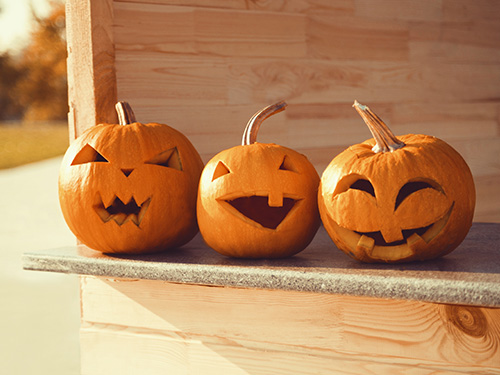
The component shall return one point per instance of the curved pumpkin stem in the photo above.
(253, 125)
(125, 114)
(384, 138)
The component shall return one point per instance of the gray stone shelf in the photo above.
(470, 275)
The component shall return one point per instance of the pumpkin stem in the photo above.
(252, 128)
(384, 138)
(125, 114)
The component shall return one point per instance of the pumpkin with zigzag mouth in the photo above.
(130, 187)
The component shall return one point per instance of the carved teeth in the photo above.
(122, 212)
(413, 241)
(120, 217)
(142, 212)
(103, 214)
(365, 245)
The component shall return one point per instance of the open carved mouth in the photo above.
(257, 209)
(122, 212)
(373, 245)
(380, 241)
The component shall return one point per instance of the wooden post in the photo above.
(91, 64)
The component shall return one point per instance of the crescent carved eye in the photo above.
(363, 185)
(410, 188)
(88, 154)
(220, 170)
(169, 158)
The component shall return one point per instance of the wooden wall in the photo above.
(205, 67)
(155, 327)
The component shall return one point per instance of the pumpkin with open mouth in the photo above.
(394, 199)
(130, 187)
(258, 200)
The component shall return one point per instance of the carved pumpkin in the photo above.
(258, 200)
(130, 187)
(394, 199)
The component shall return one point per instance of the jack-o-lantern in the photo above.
(398, 199)
(258, 200)
(130, 187)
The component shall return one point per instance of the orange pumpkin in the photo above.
(130, 187)
(258, 200)
(398, 199)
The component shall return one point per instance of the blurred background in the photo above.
(39, 312)
(33, 83)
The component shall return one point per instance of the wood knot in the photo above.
(469, 320)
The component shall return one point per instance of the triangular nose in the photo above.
(126, 171)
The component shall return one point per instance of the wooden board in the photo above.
(205, 68)
(129, 325)
(91, 64)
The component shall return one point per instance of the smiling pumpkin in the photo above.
(258, 200)
(396, 199)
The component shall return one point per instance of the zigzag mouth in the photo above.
(122, 212)
(257, 209)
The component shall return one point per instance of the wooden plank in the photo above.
(323, 125)
(355, 38)
(156, 78)
(91, 72)
(481, 155)
(465, 10)
(168, 352)
(208, 31)
(400, 11)
(337, 123)
(425, 332)
(487, 198)
(268, 6)
(455, 42)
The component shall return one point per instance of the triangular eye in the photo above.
(363, 185)
(287, 165)
(88, 154)
(220, 170)
(169, 158)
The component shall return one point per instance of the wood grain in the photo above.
(205, 31)
(429, 67)
(331, 327)
(108, 349)
(91, 70)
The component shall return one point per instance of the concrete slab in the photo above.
(39, 312)
(470, 275)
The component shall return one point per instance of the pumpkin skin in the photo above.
(130, 187)
(258, 200)
(414, 202)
